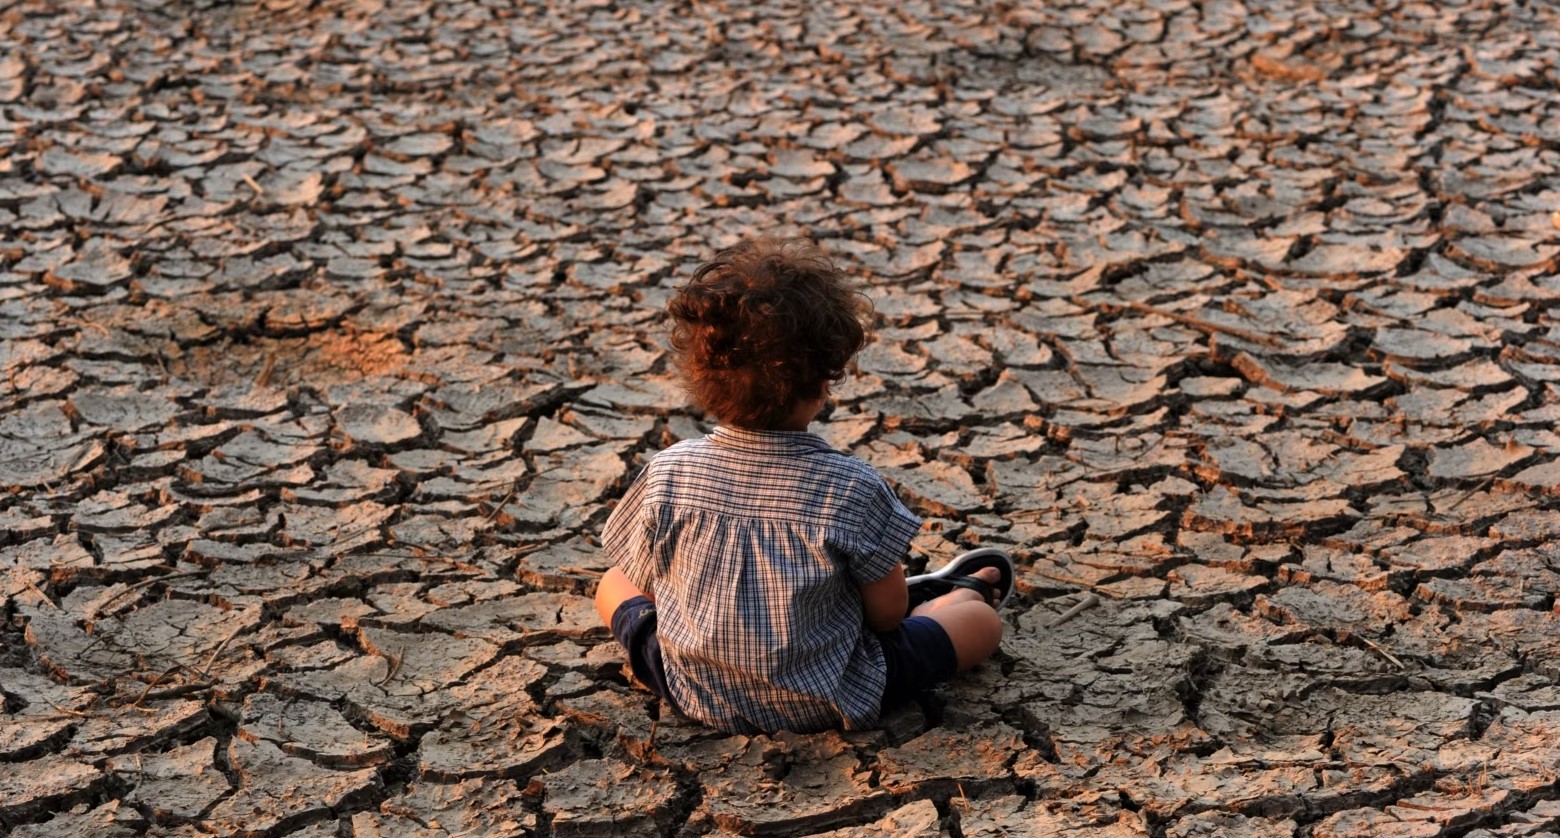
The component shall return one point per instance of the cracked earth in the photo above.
(330, 334)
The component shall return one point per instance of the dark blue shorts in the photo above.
(918, 655)
(633, 624)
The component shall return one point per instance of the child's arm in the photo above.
(886, 600)
(613, 590)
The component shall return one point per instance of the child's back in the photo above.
(757, 544)
(758, 583)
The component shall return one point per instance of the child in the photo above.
(758, 583)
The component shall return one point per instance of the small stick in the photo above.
(391, 554)
(1183, 319)
(337, 538)
(155, 681)
(1089, 601)
(81, 321)
(182, 689)
(143, 583)
(249, 179)
(264, 378)
(395, 666)
(1404, 804)
(1383, 652)
(206, 670)
(41, 595)
(513, 488)
(1480, 486)
(76, 713)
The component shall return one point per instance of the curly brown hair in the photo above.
(762, 326)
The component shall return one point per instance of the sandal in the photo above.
(958, 574)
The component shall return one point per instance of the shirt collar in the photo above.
(777, 442)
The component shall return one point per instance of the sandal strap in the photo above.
(987, 591)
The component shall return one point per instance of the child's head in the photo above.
(763, 327)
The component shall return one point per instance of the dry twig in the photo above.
(1479, 487)
(1383, 652)
(137, 586)
(1089, 601)
(1185, 320)
(264, 378)
(77, 713)
(155, 681)
(206, 670)
(41, 595)
(514, 487)
(395, 666)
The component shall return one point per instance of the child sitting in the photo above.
(758, 583)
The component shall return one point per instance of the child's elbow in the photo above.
(886, 601)
(886, 609)
(612, 591)
(885, 623)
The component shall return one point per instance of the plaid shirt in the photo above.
(754, 544)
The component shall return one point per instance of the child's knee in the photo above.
(992, 628)
(975, 629)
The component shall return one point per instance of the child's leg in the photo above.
(971, 623)
(613, 590)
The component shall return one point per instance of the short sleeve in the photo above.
(628, 534)
(886, 531)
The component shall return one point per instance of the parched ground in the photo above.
(330, 331)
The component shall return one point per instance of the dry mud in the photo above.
(330, 334)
